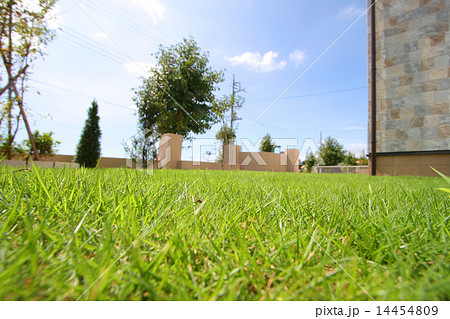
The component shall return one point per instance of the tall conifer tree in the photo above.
(88, 149)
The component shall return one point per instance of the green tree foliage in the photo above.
(226, 136)
(267, 145)
(140, 148)
(310, 161)
(331, 152)
(177, 97)
(228, 103)
(88, 149)
(45, 144)
(350, 159)
(363, 160)
(10, 150)
(24, 32)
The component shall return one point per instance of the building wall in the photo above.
(413, 79)
(262, 161)
(169, 152)
(234, 158)
(419, 165)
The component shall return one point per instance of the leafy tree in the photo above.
(228, 103)
(24, 32)
(267, 145)
(141, 148)
(177, 97)
(363, 161)
(88, 149)
(331, 152)
(45, 144)
(350, 159)
(310, 161)
(226, 136)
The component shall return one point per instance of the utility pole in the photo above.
(373, 155)
(236, 89)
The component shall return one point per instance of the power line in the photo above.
(81, 94)
(317, 94)
(76, 35)
(116, 17)
(137, 64)
(314, 63)
(137, 26)
(289, 131)
(270, 125)
(92, 50)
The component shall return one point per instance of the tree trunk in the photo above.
(7, 60)
(180, 121)
(9, 139)
(25, 120)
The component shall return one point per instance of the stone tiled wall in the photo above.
(413, 75)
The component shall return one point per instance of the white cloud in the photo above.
(141, 68)
(350, 11)
(259, 63)
(152, 7)
(297, 56)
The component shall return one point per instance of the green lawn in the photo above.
(221, 235)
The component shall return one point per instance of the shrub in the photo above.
(45, 144)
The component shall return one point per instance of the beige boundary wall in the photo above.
(61, 161)
(46, 164)
(105, 162)
(234, 158)
(169, 157)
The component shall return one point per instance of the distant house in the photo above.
(412, 41)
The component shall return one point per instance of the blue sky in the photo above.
(266, 44)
